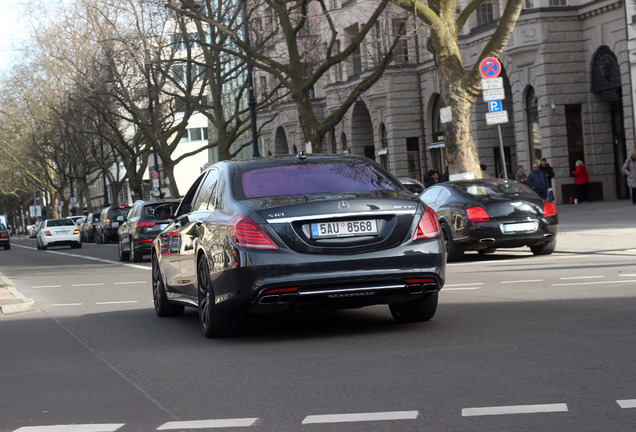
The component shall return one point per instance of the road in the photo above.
(519, 343)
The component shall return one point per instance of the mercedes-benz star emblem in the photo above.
(343, 205)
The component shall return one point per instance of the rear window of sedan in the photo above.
(60, 222)
(494, 188)
(313, 179)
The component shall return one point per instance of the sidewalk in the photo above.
(596, 227)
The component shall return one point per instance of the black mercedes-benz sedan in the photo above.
(486, 214)
(308, 232)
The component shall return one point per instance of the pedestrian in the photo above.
(547, 170)
(432, 177)
(580, 180)
(521, 176)
(629, 169)
(538, 181)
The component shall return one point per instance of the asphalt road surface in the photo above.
(519, 343)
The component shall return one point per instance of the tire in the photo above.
(7, 246)
(163, 307)
(214, 323)
(134, 255)
(79, 245)
(123, 256)
(37, 243)
(422, 309)
(544, 249)
(453, 253)
(99, 239)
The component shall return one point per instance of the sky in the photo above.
(11, 29)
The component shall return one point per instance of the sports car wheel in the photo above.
(214, 323)
(163, 307)
(123, 256)
(544, 249)
(422, 309)
(453, 253)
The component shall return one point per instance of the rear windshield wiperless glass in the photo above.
(494, 188)
(313, 179)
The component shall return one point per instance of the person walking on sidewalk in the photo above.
(538, 181)
(580, 181)
(629, 169)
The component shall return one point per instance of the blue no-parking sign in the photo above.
(490, 67)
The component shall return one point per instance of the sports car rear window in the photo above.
(313, 179)
(494, 188)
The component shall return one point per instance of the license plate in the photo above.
(61, 232)
(344, 229)
(115, 224)
(520, 227)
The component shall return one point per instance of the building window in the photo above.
(558, 3)
(402, 47)
(528, 4)
(384, 143)
(356, 59)
(574, 126)
(339, 68)
(534, 132)
(413, 157)
(485, 14)
(195, 134)
(180, 72)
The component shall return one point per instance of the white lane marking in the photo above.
(130, 283)
(205, 424)
(47, 286)
(522, 281)
(65, 304)
(515, 409)
(137, 266)
(117, 302)
(73, 428)
(581, 277)
(596, 283)
(627, 275)
(89, 284)
(461, 289)
(465, 284)
(627, 403)
(360, 417)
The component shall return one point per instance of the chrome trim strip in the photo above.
(349, 290)
(339, 215)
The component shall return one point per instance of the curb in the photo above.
(23, 304)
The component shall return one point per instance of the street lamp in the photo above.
(250, 84)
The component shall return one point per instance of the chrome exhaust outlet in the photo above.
(548, 236)
(287, 298)
(487, 240)
(268, 299)
(415, 289)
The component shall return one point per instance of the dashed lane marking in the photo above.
(361, 417)
(209, 424)
(515, 409)
(66, 304)
(596, 283)
(522, 281)
(130, 283)
(116, 302)
(627, 403)
(466, 284)
(88, 284)
(461, 289)
(47, 286)
(73, 428)
(581, 277)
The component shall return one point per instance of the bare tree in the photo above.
(459, 85)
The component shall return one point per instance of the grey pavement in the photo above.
(587, 228)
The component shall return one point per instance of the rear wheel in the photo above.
(214, 323)
(544, 249)
(134, 255)
(453, 253)
(163, 307)
(422, 309)
(123, 256)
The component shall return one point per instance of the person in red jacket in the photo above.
(581, 181)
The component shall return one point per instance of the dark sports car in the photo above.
(294, 233)
(487, 214)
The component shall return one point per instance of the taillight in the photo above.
(549, 209)
(145, 224)
(47, 233)
(246, 233)
(477, 214)
(4, 235)
(428, 226)
(76, 231)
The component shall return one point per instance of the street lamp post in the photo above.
(250, 85)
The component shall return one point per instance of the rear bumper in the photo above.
(484, 235)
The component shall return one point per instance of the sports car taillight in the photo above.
(549, 209)
(428, 226)
(477, 214)
(248, 234)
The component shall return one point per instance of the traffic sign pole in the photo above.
(493, 93)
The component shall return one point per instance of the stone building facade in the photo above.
(568, 94)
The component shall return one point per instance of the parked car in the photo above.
(5, 237)
(78, 220)
(140, 228)
(58, 232)
(109, 220)
(296, 233)
(87, 230)
(486, 214)
(33, 229)
(413, 185)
